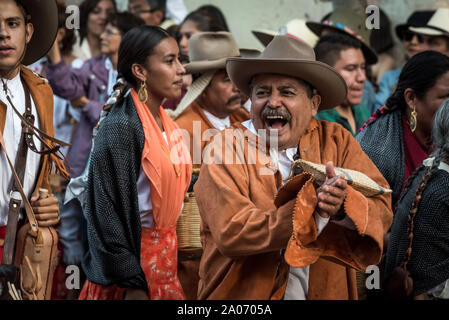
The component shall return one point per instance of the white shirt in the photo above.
(112, 76)
(176, 10)
(247, 105)
(12, 134)
(218, 123)
(298, 278)
(144, 197)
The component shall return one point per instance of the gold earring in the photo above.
(143, 94)
(413, 120)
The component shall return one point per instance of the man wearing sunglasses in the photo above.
(435, 34)
(413, 43)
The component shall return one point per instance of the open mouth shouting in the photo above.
(275, 119)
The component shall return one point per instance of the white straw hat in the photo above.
(438, 25)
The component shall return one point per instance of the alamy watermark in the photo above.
(73, 20)
(372, 17)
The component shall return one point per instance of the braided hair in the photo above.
(420, 74)
(441, 153)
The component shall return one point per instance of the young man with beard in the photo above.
(263, 239)
(345, 55)
(27, 30)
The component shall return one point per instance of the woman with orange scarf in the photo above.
(139, 173)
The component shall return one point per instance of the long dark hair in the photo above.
(137, 44)
(216, 13)
(420, 74)
(204, 21)
(381, 39)
(441, 153)
(124, 21)
(86, 7)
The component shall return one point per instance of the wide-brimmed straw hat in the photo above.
(249, 53)
(285, 55)
(208, 52)
(44, 17)
(438, 24)
(295, 28)
(351, 23)
(416, 19)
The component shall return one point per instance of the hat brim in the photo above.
(44, 17)
(400, 28)
(329, 83)
(428, 31)
(370, 55)
(204, 66)
(264, 36)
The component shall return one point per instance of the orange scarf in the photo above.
(168, 167)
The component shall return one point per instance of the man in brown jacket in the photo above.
(265, 241)
(28, 29)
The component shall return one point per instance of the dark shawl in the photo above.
(382, 140)
(429, 262)
(112, 210)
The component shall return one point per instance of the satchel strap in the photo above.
(15, 200)
(37, 132)
(29, 211)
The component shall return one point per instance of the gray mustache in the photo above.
(276, 112)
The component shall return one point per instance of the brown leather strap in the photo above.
(15, 201)
(35, 130)
(29, 210)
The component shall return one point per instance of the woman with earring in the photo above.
(397, 137)
(139, 172)
(87, 89)
(419, 234)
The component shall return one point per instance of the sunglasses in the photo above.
(408, 36)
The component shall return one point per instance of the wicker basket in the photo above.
(188, 227)
(355, 179)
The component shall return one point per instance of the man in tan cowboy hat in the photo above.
(252, 223)
(212, 102)
(28, 29)
(436, 33)
(344, 54)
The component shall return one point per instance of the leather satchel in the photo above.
(36, 259)
(36, 248)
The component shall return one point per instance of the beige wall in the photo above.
(245, 15)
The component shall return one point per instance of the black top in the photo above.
(383, 142)
(112, 209)
(429, 261)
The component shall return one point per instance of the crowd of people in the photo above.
(303, 164)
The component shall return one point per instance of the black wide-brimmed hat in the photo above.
(416, 19)
(44, 17)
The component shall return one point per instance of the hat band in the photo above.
(296, 37)
(435, 28)
(344, 28)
